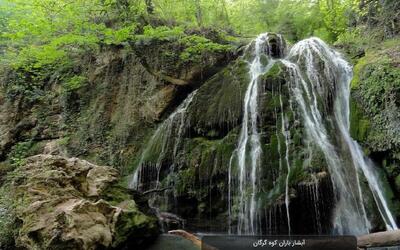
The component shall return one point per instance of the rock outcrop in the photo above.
(62, 204)
(375, 112)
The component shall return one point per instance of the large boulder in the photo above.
(68, 203)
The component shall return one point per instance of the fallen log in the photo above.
(194, 239)
(381, 239)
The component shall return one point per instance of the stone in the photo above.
(60, 203)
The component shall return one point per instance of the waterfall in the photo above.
(361, 162)
(286, 134)
(315, 87)
(319, 83)
(167, 137)
(248, 151)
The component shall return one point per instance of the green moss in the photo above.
(297, 173)
(186, 180)
(359, 124)
(132, 225)
(203, 161)
(20, 151)
(357, 71)
(116, 194)
(74, 83)
(218, 103)
(275, 71)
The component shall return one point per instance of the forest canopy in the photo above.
(46, 30)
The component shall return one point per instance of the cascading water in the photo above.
(319, 80)
(168, 135)
(331, 83)
(314, 98)
(248, 151)
(342, 114)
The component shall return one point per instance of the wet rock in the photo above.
(170, 221)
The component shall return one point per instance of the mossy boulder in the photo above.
(60, 203)
(217, 107)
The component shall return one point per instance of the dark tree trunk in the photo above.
(149, 7)
(199, 13)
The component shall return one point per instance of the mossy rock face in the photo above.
(375, 111)
(108, 101)
(376, 90)
(60, 205)
(185, 59)
(217, 106)
(359, 124)
(199, 171)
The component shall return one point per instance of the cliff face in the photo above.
(100, 107)
(106, 108)
(375, 120)
(193, 153)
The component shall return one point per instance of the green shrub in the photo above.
(19, 152)
(8, 223)
(161, 33)
(197, 48)
(74, 83)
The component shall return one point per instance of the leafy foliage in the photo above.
(197, 47)
(19, 152)
(8, 221)
(36, 33)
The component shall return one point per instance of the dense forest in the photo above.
(48, 31)
(123, 119)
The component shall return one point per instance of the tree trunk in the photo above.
(381, 239)
(199, 13)
(149, 7)
(194, 239)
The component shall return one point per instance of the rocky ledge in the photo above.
(64, 203)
